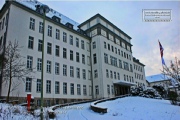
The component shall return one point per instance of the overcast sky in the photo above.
(127, 15)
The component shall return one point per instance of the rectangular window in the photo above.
(109, 47)
(57, 68)
(64, 53)
(89, 74)
(105, 45)
(78, 89)
(71, 40)
(114, 75)
(71, 55)
(38, 86)
(94, 45)
(40, 45)
(48, 69)
(39, 64)
(108, 89)
(64, 88)
(83, 58)
(71, 71)
(40, 27)
(78, 72)
(118, 76)
(77, 57)
(106, 58)
(30, 42)
(49, 47)
(49, 31)
(57, 34)
(95, 74)
(29, 62)
(94, 58)
(72, 88)
(107, 73)
(77, 42)
(64, 70)
(82, 44)
(88, 60)
(64, 37)
(56, 87)
(32, 24)
(57, 50)
(28, 84)
(115, 50)
(120, 64)
(84, 90)
(48, 86)
(97, 90)
(112, 48)
(119, 51)
(84, 73)
(112, 89)
(111, 73)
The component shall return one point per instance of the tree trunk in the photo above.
(10, 82)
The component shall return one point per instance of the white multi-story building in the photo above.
(82, 61)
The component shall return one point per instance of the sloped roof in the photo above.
(157, 77)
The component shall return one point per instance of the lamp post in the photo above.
(43, 10)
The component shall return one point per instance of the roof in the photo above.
(156, 78)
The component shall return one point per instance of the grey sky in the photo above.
(127, 15)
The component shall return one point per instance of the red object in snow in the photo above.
(28, 101)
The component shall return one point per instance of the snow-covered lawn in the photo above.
(128, 108)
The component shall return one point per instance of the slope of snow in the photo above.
(129, 108)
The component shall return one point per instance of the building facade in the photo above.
(82, 61)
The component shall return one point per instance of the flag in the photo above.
(161, 52)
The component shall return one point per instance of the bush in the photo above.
(172, 97)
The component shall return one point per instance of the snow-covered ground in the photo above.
(128, 108)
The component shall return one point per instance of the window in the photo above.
(48, 86)
(72, 88)
(82, 44)
(39, 64)
(122, 53)
(88, 60)
(57, 50)
(111, 73)
(78, 72)
(29, 62)
(94, 45)
(71, 71)
(115, 50)
(107, 73)
(30, 42)
(48, 103)
(71, 40)
(56, 87)
(112, 89)
(57, 68)
(114, 75)
(57, 34)
(108, 89)
(64, 70)
(105, 45)
(28, 84)
(38, 86)
(49, 46)
(118, 76)
(64, 37)
(40, 27)
(49, 31)
(109, 47)
(106, 58)
(64, 88)
(84, 73)
(78, 89)
(131, 68)
(120, 64)
(64, 53)
(32, 24)
(83, 58)
(77, 42)
(89, 74)
(94, 58)
(40, 45)
(88, 46)
(112, 48)
(84, 90)
(125, 77)
(119, 51)
(48, 70)
(97, 89)
(71, 55)
(77, 57)
(95, 74)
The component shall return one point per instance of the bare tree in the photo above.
(15, 69)
(173, 72)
